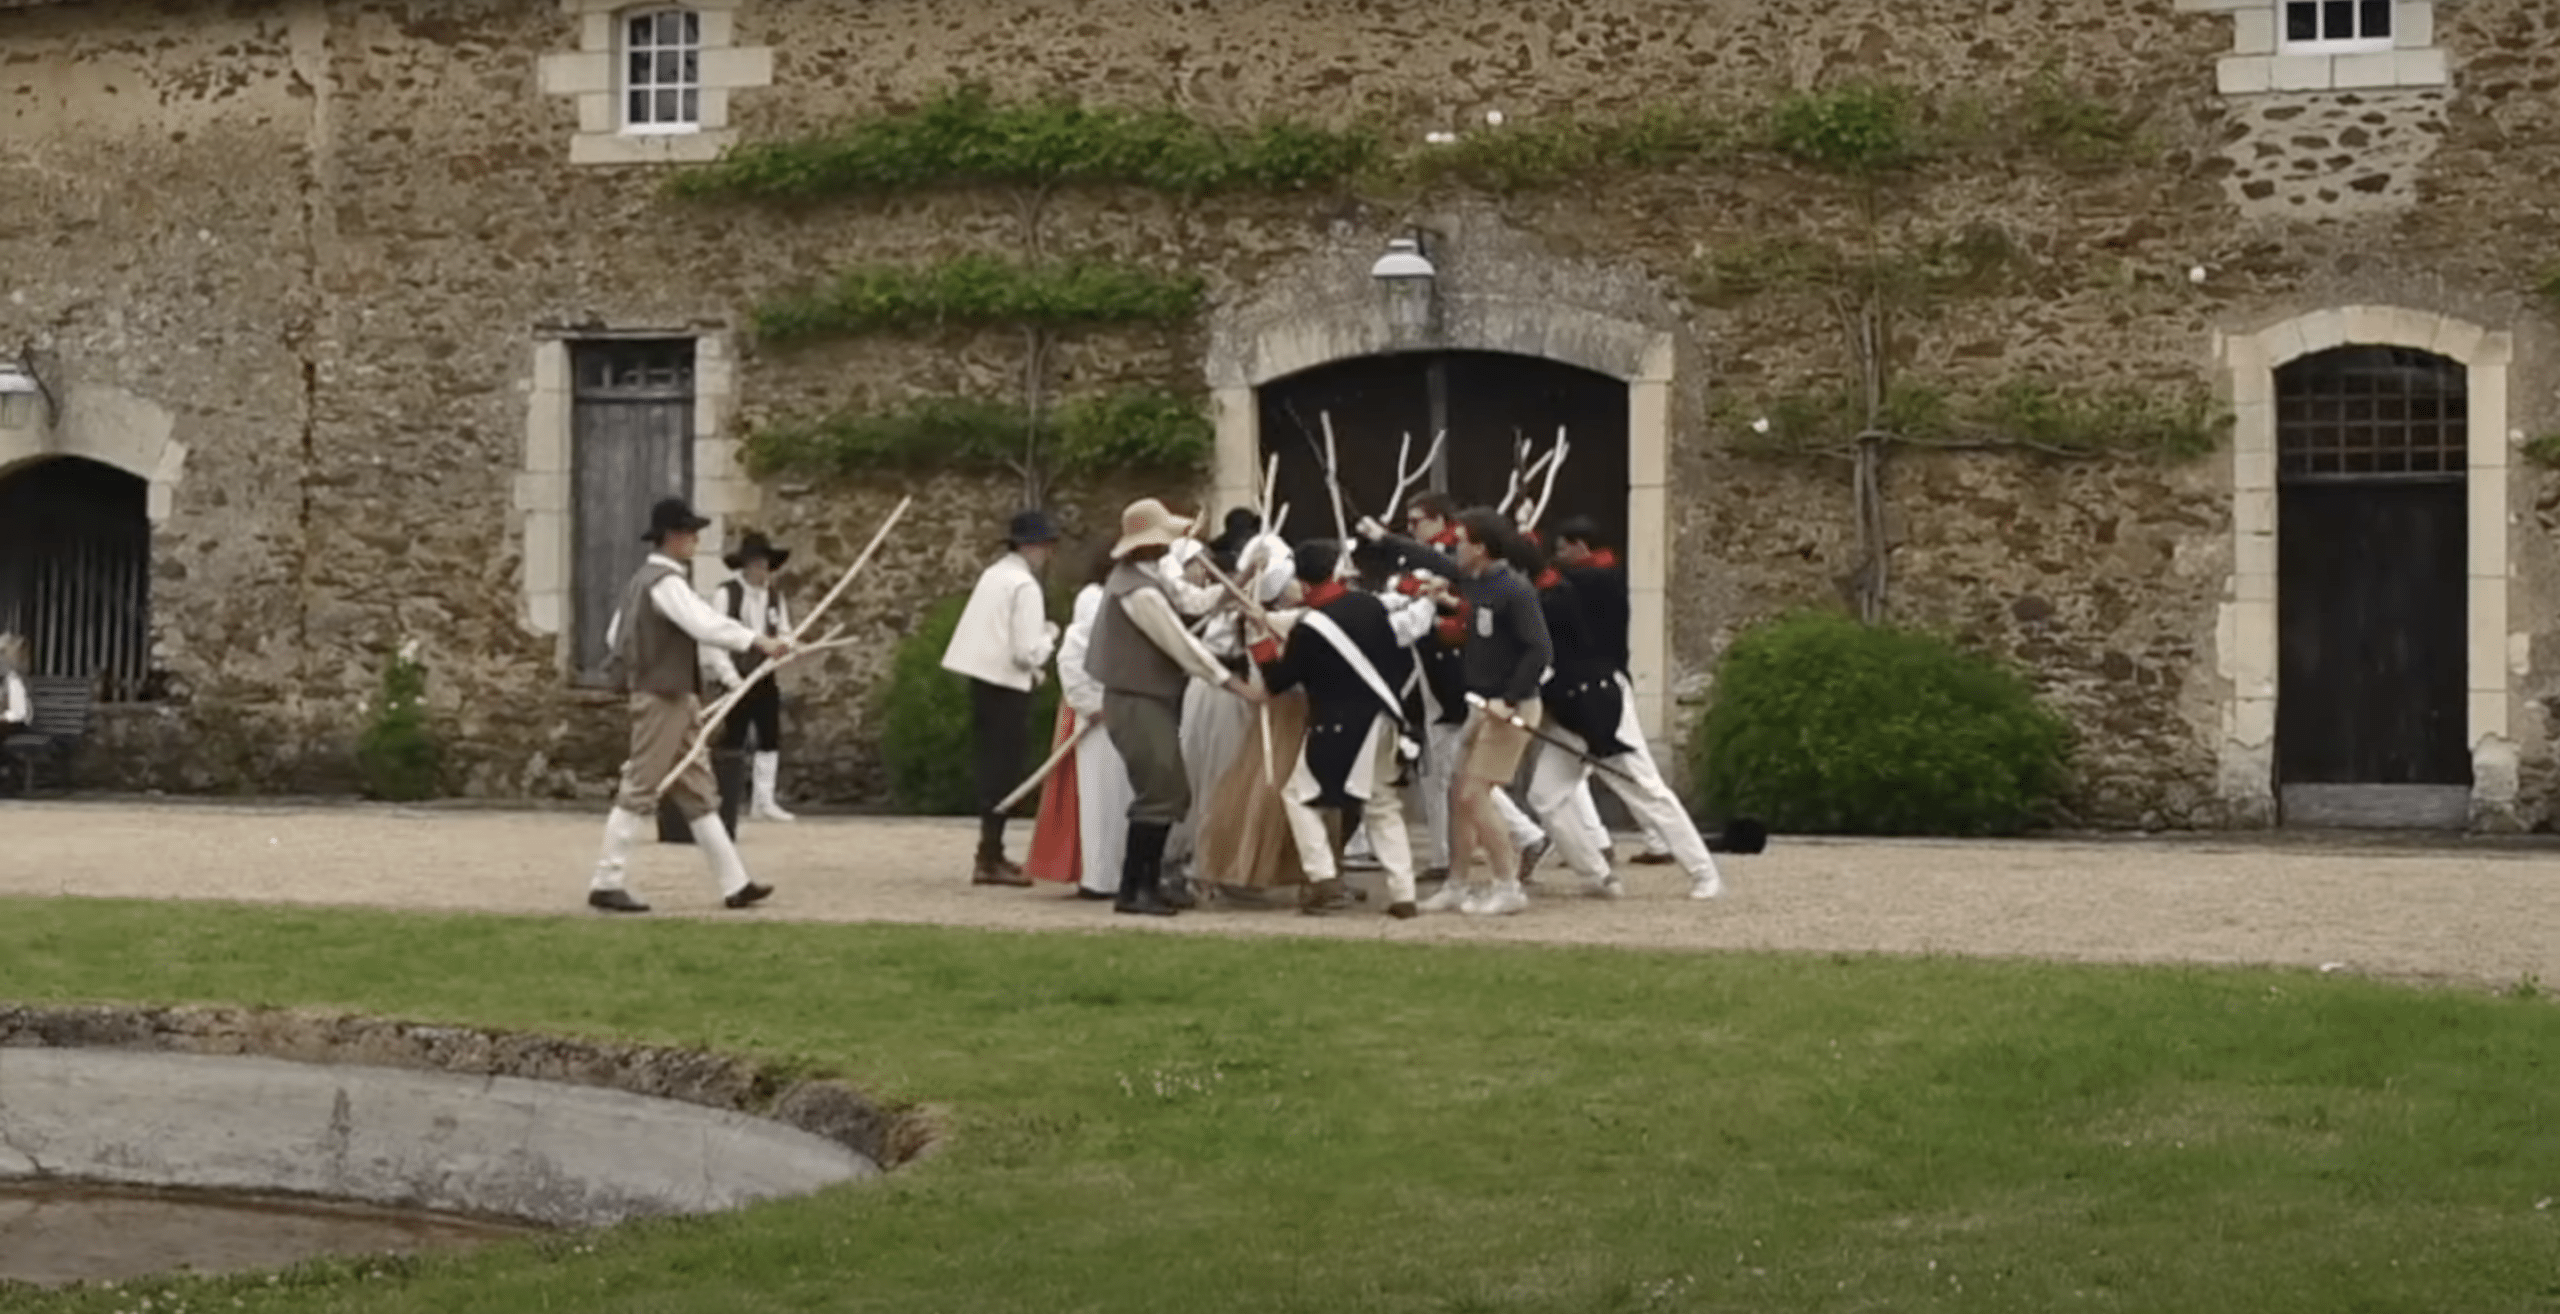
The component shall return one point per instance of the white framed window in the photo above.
(2335, 27)
(661, 71)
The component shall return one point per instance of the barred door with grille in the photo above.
(75, 574)
(631, 443)
(2371, 548)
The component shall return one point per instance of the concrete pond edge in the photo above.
(122, 1051)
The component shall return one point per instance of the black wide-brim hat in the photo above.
(1030, 527)
(753, 546)
(673, 515)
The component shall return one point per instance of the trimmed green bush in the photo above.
(925, 739)
(396, 754)
(1823, 725)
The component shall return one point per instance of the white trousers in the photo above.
(1102, 811)
(1636, 781)
(624, 828)
(1441, 763)
(1387, 839)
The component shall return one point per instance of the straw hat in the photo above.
(1148, 524)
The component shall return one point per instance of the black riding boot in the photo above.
(1141, 869)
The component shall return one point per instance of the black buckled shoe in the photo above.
(619, 901)
(750, 894)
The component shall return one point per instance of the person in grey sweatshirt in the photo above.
(1494, 615)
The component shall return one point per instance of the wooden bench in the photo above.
(60, 705)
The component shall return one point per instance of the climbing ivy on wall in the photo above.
(980, 291)
(1133, 429)
(963, 138)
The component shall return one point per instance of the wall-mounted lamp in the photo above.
(1409, 280)
(23, 402)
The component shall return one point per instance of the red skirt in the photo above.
(1057, 847)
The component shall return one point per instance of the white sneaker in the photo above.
(1709, 886)
(1448, 898)
(1496, 901)
(1609, 887)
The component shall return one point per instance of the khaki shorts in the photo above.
(1493, 749)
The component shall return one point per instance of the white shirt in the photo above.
(1410, 618)
(676, 600)
(756, 606)
(14, 707)
(1005, 634)
(1075, 684)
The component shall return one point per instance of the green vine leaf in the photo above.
(1130, 429)
(1859, 129)
(2026, 414)
(964, 137)
(976, 291)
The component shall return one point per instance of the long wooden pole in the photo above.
(702, 739)
(1065, 746)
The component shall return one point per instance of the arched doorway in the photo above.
(2372, 449)
(1485, 400)
(75, 572)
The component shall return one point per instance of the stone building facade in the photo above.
(331, 303)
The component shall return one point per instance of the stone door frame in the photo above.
(1249, 352)
(2247, 634)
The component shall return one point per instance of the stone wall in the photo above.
(325, 236)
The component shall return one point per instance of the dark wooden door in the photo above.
(2371, 618)
(631, 443)
(2372, 552)
(1486, 400)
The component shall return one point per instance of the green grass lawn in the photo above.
(1188, 1123)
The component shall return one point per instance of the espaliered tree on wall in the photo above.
(1042, 302)
(1872, 137)
(1028, 151)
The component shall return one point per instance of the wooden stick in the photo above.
(728, 702)
(702, 740)
(1333, 477)
(1547, 494)
(1409, 476)
(1068, 745)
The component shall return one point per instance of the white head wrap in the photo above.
(1273, 566)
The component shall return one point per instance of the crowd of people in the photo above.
(1238, 717)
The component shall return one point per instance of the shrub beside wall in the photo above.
(925, 742)
(1823, 725)
(396, 754)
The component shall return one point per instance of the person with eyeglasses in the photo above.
(1431, 522)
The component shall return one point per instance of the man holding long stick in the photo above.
(1143, 657)
(656, 637)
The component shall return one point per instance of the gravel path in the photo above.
(2453, 910)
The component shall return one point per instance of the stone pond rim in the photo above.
(531, 1128)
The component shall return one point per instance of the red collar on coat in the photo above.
(1549, 578)
(1602, 559)
(1320, 594)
